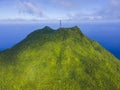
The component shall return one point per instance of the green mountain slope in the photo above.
(62, 59)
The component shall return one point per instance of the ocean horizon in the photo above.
(107, 34)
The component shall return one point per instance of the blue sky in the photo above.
(82, 10)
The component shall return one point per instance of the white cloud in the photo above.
(26, 7)
(110, 12)
(67, 9)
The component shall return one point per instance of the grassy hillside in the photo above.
(62, 59)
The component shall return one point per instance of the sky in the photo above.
(81, 10)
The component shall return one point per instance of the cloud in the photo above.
(62, 3)
(111, 11)
(115, 4)
(84, 17)
(67, 9)
(27, 7)
(79, 9)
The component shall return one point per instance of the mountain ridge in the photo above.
(61, 59)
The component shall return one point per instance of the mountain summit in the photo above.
(62, 59)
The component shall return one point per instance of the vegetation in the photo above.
(62, 59)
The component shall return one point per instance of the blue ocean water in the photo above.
(107, 34)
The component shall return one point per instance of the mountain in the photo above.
(62, 59)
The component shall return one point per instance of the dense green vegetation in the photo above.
(62, 59)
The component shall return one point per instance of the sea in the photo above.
(105, 33)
